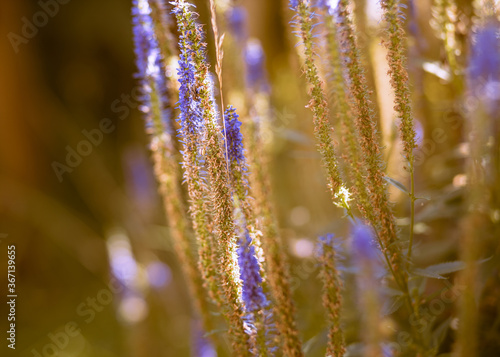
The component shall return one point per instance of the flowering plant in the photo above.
(237, 264)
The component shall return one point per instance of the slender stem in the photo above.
(412, 208)
(219, 54)
(402, 285)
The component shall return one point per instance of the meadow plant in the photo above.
(258, 132)
(304, 21)
(221, 217)
(159, 124)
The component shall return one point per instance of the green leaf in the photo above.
(427, 273)
(437, 271)
(392, 305)
(448, 267)
(439, 333)
(309, 344)
(422, 286)
(392, 292)
(397, 184)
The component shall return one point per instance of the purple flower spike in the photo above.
(233, 136)
(294, 4)
(191, 119)
(255, 61)
(237, 19)
(484, 66)
(485, 58)
(362, 244)
(328, 5)
(149, 63)
(327, 241)
(252, 293)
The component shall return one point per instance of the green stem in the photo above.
(413, 309)
(412, 208)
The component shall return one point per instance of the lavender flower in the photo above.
(234, 139)
(328, 5)
(485, 58)
(484, 66)
(255, 61)
(258, 319)
(236, 19)
(143, 34)
(162, 24)
(192, 46)
(363, 248)
(238, 169)
(201, 345)
(149, 64)
(151, 73)
(190, 119)
(252, 293)
(413, 24)
(192, 137)
(263, 320)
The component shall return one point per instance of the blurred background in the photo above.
(96, 275)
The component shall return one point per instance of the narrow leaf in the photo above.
(427, 273)
(447, 268)
(392, 292)
(439, 333)
(397, 184)
(309, 344)
(392, 305)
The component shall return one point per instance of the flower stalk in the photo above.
(383, 218)
(398, 72)
(318, 104)
(339, 93)
(220, 190)
(155, 105)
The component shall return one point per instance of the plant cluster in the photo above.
(218, 199)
